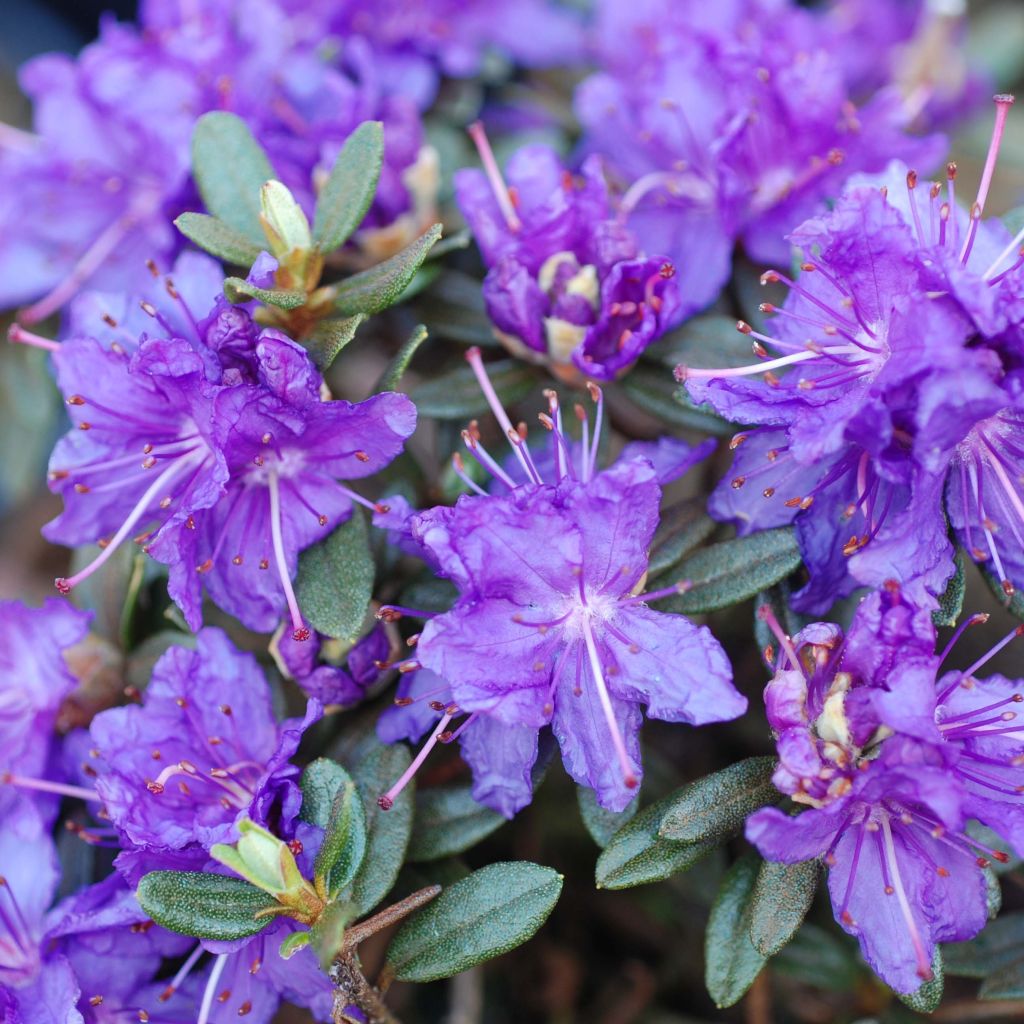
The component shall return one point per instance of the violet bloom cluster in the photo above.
(550, 571)
(207, 439)
(106, 167)
(887, 396)
(729, 123)
(567, 284)
(892, 757)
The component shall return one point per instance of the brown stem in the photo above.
(388, 916)
(350, 987)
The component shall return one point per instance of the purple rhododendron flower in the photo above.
(214, 443)
(34, 681)
(202, 751)
(550, 578)
(895, 379)
(734, 124)
(891, 759)
(566, 283)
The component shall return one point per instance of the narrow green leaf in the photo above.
(238, 290)
(203, 905)
(951, 603)
(927, 998)
(718, 804)
(380, 286)
(655, 391)
(218, 239)
(637, 854)
(395, 370)
(999, 945)
(710, 341)
(328, 934)
(330, 337)
(731, 963)
(782, 895)
(1005, 982)
(320, 783)
(350, 188)
(344, 845)
(602, 824)
(456, 395)
(230, 167)
(387, 831)
(447, 821)
(734, 570)
(492, 911)
(682, 528)
(1013, 603)
(335, 580)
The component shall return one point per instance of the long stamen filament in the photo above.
(386, 802)
(494, 176)
(301, 631)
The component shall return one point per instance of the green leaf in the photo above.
(1005, 982)
(218, 239)
(1014, 603)
(782, 895)
(999, 945)
(328, 934)
(238, 290)
(655, 392)
(395, 370)
(926, 999)
(456, 395)
(492, 911)
(335, 580)
(717, 805)
(387, 831)
(284, 221)
(344, 845)
(320, 783)
(951, 603)
(293, 943)
(350, 188)
(447, 821)
(230, 167)
(330, 337)
(710, 341)
(380, 286)
(203, 905)
(731, 963)
(682, 528)
(734, 570)
(600, 823)
(825, 958)
(637, 854)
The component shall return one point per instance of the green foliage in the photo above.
(447, 821)
(731, 963)
(926, 999)
(638, 853)
(218, 238)
(330, 337)
(600, 823)
(480, 917)
(716, 806)
(205, 906)
(951, 603)
(395, 370)
(456, 395)
(230, 167)
(335, 580)
(238, 290)
(387, 832)
(381, 286)
(345, 839)
(782, 895)
(734, 570)
(682, 528)
(349, 190)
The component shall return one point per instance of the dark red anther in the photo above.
(301, 635)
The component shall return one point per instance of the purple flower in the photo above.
(735, 125)
(895, 379)
(106, 170)
(891, 764)
(214, 444)
(550, 578)
(34, 681)
(566, 282)
(202, 751)
(329, 683)
(55, 963)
